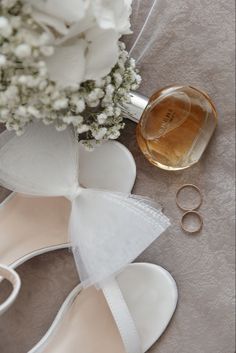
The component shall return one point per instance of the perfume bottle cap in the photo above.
(133, 110)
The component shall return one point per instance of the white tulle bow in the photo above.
(108, 230)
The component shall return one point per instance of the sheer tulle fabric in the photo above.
(146, 28)
(108, 230)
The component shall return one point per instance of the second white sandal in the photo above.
(127, 315)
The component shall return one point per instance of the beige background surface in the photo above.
(194, 45)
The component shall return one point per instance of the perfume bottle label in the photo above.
(167, 120)
(165, 115)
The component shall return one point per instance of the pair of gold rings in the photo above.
(190, 211)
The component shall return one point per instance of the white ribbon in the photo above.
(108, 230)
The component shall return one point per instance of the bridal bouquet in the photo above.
(62, 62)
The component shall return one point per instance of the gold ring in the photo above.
(194, 231)
(188, 186)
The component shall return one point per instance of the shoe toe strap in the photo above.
(122, 317)
(10, 275)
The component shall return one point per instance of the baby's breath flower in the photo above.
(33, 112)
(89, 145)
(27, 92)
(73, 119)
(100, 133)
(60, 126)
(5, 27)
(23, 51)
(78, 102)
(114, 135)
(109, 110)
(102, 118)
(117, 111)
(110, 90)
(83, 128)
(118, 79)
(4, 115)
(15, 22)
(100, 83)
(3, 60)
(60, 104)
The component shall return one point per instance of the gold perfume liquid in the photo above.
(176, 127)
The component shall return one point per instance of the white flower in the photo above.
(47, 121)
(83, 30)
(113, 14)
(78, 102)
(15, 22)
(110, 90)
(80, 106)
(3, 100)
(34, 112)
(22, 79)
(21, 111)
(93, 104)
(4, 114)
(42, 85)
(61, 127)
(5, 27)
(109, 110)
(64, 12)
(114, 135)
(117, 112)
(60, 104)
(94, 95)
(100, 83)
(132, 63)
(83, 128)
(19, 130)
(102, 118)
(22, 51)
(100, 133)
(11, 92)
(118, 79)
(61, 45)
(89, 145)
(44, 38)
(75, 120)
(55, 94)
(3, 60)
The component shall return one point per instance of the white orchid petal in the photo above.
(53, 22)
(102, 52)
(67, 65)
(113, 14)
(77, 29)
(68, 11)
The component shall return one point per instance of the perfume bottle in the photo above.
(174, 126)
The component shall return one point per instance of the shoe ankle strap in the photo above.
(11, 275)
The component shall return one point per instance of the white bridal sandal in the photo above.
(30, 226)
(107, 231)
(116, 308)
(127, 315)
